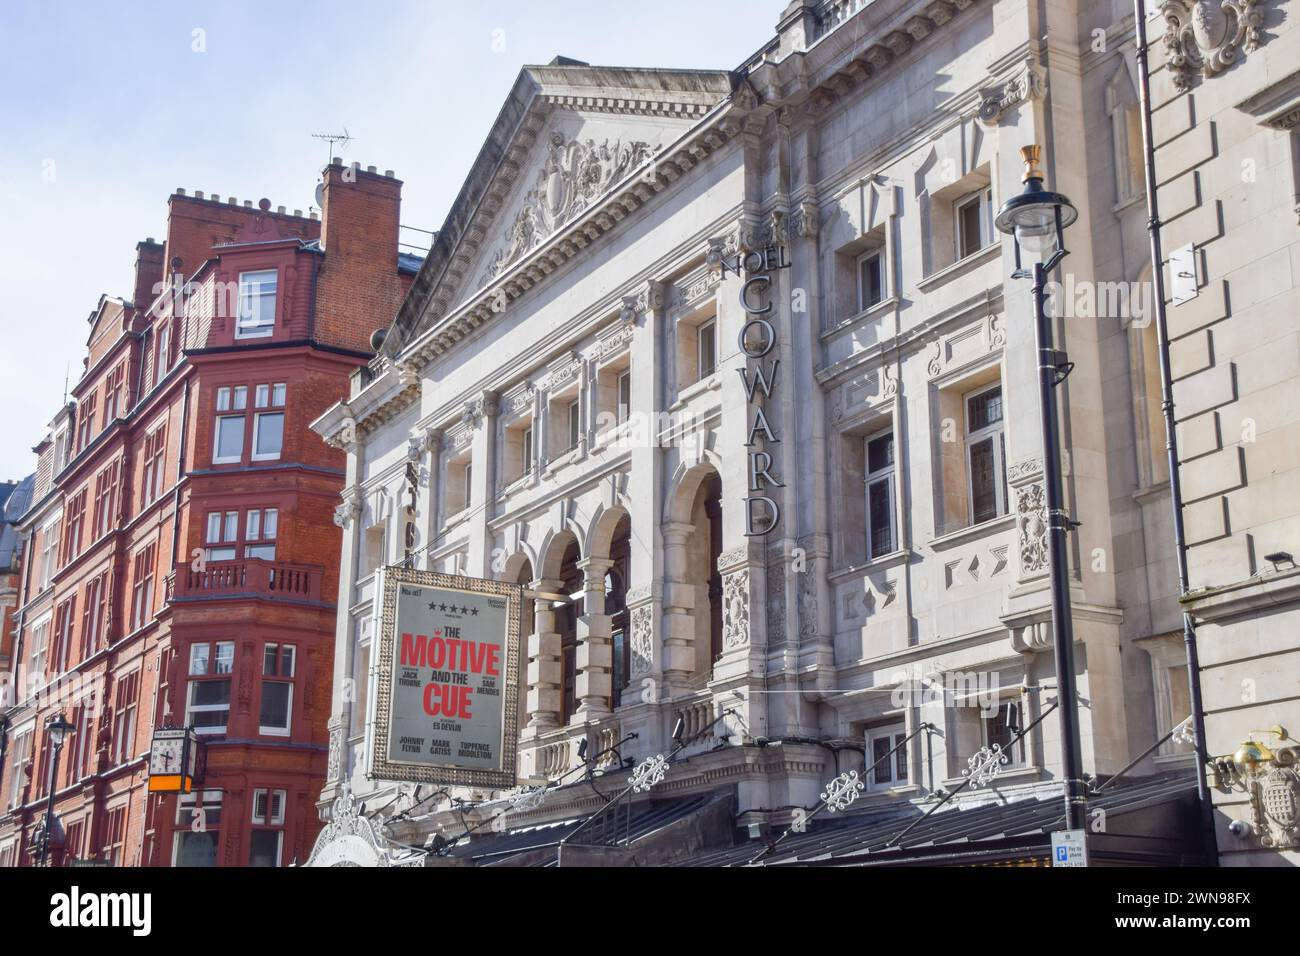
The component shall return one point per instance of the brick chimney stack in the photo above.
(359, 232)
(148, 272)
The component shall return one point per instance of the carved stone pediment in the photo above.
(573, 176)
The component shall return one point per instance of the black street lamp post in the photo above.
(58, 728)
(1037, 219)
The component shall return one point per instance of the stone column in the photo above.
(484, 487)
(679, 608)
(544, 663)
(432, 492)
(594, 657)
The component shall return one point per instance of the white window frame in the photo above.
(887, 476)
(877, 254)
(891, 733)
(983, 196)
(706, 330)
(279, 843)
(257, 428)
(526, 450)
(973, 438)
(192, 708)
(260, 328)
(269, 817)
(217, 458)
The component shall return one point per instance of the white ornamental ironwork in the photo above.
(529, 799)
(842, 791)
(648, 774)
(985, 764)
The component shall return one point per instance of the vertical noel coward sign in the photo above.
(446, 684)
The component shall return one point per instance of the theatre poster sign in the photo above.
(446, 680)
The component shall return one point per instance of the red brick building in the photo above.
(181, 558)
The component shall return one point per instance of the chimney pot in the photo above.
(370, 169)
(279, 210)
(298, 213)
(248, 204)
(336, 161)
(314, 216)
(198, 194)
(180, 190)
(390, 174)
(231, 200)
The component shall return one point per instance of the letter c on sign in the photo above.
(744, 295)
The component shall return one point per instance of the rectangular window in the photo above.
(105, 501)
(126, 699)
(164, 352)
(115, 836)
(142, 589)
(19, 757)
(707, 349)
(984, 452)
(207, 706)
(891, 772)
(260, 532)
(64, 617)
(871, 279)
(268, 806)
(1002, 729)
(974, 217)
(39, 657)
(277, 689)
(880, 495)
(155, 447)
(469, 483)
(92, 614)
(268, 435)
(264, 848)
(114, 404)
(222, 533)
(198, 829)
(229, 443)
(74, 524)
(624, 396)
(527, 451)
(86, 427)
(49, 551)
(575, 423)
(257, 294)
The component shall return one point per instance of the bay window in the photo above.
(275, 716)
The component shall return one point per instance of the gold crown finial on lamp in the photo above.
(1031, 155)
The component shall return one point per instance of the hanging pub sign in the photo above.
(174, 763)
(757, 340)
(445, 681)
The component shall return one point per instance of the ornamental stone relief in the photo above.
(735, 609)
(1205, 35)
(1030, 82)
(575, 174)
(776, 601)
(1031, 524)
(808, 600)
(642, 621)
(348, 511)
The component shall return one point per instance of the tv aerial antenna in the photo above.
(342, 139)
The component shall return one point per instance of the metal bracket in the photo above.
(1060, 361)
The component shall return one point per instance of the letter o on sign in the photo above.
(769, 337)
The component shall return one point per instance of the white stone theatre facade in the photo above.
(734, 358)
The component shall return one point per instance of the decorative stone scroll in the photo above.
(1029, 82)
(1205, 36)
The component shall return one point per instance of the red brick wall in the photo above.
(195, 225)
(360, 289)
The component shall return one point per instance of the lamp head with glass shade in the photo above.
(1037, 218)
(58, 729)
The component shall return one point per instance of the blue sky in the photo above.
(105, 109)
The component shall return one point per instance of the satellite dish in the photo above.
(320, 195)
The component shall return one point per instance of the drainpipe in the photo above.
(1171, 437)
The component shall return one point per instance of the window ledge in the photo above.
(849, 572)
(973, 533)
(709, 384)
(1123, 204)
(882, 307)
(935, 279)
